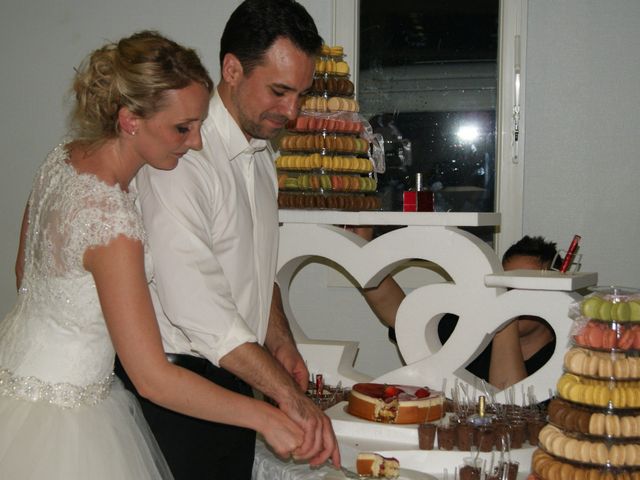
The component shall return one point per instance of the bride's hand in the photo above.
(282, 434)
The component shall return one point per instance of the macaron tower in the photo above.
(325, 159)
(594, 423)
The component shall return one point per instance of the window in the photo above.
(437, 79)
(427, 83)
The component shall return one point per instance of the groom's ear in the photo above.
(232, 70)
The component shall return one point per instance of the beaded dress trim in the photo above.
(63, 395)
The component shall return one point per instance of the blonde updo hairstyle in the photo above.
(135, 73)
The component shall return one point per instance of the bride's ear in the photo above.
(128, 121)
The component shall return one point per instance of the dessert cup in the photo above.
(426, 435)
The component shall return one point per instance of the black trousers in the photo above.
(197, 449)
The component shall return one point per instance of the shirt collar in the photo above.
(236, 141)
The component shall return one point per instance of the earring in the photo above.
(133, 133)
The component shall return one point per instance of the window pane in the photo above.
(428, 84)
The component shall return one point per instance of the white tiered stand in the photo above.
(477, 294)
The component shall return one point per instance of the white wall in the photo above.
(582, 146)
(40, 43)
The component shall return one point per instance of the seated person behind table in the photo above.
(525, 345)
(519, 349)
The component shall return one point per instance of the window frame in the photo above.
(509, 192)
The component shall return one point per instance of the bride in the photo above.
(82, 285)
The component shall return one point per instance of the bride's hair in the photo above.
(135, 73)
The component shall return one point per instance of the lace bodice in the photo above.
(55, 342)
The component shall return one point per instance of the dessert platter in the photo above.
(590, 428)
(594, 424)
(391, 421)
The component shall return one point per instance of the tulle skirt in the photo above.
(110, 440)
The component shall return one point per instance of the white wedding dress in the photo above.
(63, 414)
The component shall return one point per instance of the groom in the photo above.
(212, 225)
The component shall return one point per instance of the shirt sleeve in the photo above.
(178, 210)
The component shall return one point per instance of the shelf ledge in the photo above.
(436, 219)
(542, 280)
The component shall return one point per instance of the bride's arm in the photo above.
(118, 270)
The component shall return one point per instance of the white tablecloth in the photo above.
(356, 435)
(267, 466)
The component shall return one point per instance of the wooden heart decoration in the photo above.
(467, 260)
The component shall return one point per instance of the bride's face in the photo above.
(168, 134)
